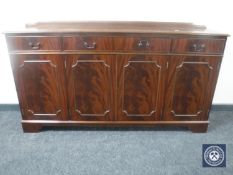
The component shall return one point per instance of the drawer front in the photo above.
(87, 43)
(203, 46)
(106, 43)
(153, 44)
(36, 43)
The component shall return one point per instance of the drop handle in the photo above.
(198, 47)
(143, 44)
(34, 46)
(89, 46)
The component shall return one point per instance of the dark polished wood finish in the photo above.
(202, 46)
(34, 43)
(40, 86)
(115, 74)
(116, 43)
(31, 127)
(90, 85)
(189, 81)
(140, 85)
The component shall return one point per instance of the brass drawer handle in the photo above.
(89, 46)
(143, 44)
(35, 46)
(198, 47)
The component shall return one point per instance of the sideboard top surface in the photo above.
(116, 27)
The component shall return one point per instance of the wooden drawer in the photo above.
(87, 43)
(36, 43)
(108, 43)
(148, 44)
(203, 46)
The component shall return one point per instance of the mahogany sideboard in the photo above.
(115, 73)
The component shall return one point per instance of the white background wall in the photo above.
(213, 13)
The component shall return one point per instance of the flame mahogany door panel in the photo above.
(190, 86)
(140, 84)
(40, 85)
(90, 84)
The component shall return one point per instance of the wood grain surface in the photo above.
(90, 86)
(40, 84)
(189, 83)
(115, 74)
(34, 43)
(140, 84)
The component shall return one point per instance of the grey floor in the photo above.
(121, 151)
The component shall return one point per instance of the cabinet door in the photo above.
(90, 86)
(40, 85)
(140, 84)
(190, 87)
